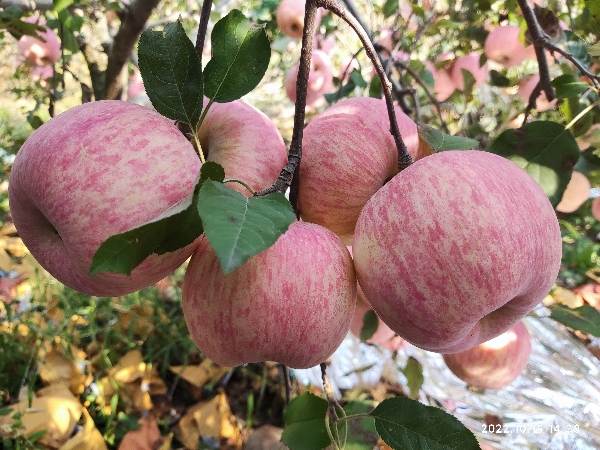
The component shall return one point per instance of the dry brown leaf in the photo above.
(589, 293)
(201, 374)
(147, 437)
(56, 367)
(212, 418)
(141, 318)
(56, 411)
(266, 437)
(88, 438)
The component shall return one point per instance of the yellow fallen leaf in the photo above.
(57, 367)
(147, 437)
(56, 411)
(212, 418)
(200, 374)
(129, 368)
(566, 297)
(88, 438)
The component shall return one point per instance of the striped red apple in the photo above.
(456, 249)
(493, 364)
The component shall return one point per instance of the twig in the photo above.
(202, 26)
(328, 388)
(288, 383)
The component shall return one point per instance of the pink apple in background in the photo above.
(526, 87)
(386, 38)
(37, 52)
(41, 74)
(443, 85)
(596, 208)
(348, 154)
(469, 62)
(290, 17)
(245, 142)
(456, 249)
(136, 84)
(503, 46)
(324, 43)
(272, 308)
(94, 171)
(320, 80)
(493, 364)
(591, 138)
(576, 194)
(411, 20)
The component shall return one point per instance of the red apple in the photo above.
(576, 194)
(94, 171)
(526, 87)
(290, 17)
(596, 208)
(320, 80)
(493, 364)
(456, 249)
(136, 84)
(503, 46)
(469, 62)
(291, 303)
(245, 142)
(348, 154)
(37, 52)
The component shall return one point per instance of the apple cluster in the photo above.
(451, 252)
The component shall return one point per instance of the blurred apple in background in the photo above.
(320, 80)
(596, 208)
(502, 45)
(469, 62)
(577, 192)
(526, 87)
(37, 52)
(290, 17)
(493, 364)
(136, 84)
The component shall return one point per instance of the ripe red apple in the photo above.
(456, 249)
(576, 194)
(348, 154)
(272, 307)
(136, 84)
(37, 52)
(502, 45)
(469, 62)
(443, 86)
(94, 171)
(320, 80)
(290, 17)
(526, 87)
(245, 142)
(493, 364)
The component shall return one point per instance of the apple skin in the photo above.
(576, 193)
(468, 62)
(245, 142)
(456, 249)
(348, 153)
(94, 171)
(596, 208)
(502, 45)
(526, 87)
(136, 84)
(320, 80)
(493, 364)
(274, 307)
(37, 52)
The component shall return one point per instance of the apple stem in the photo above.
(404, 158)
(203, 26)
(235, 180)
(198, 147)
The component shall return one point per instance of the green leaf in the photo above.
(5, 411)
(375, 88)
(545, 150)
(241, 54)
(362, 434)
(238, 227)
(305, 423)
(212, 171)
(586, 318)
(568, 86)
(59, 5)
(594, 50)
(440, 142)
(369, 326)
(389, 8)
(497, 79)
(407, 424)
(414, 374)
(469, 80)
(36, 436)
(172, 73)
